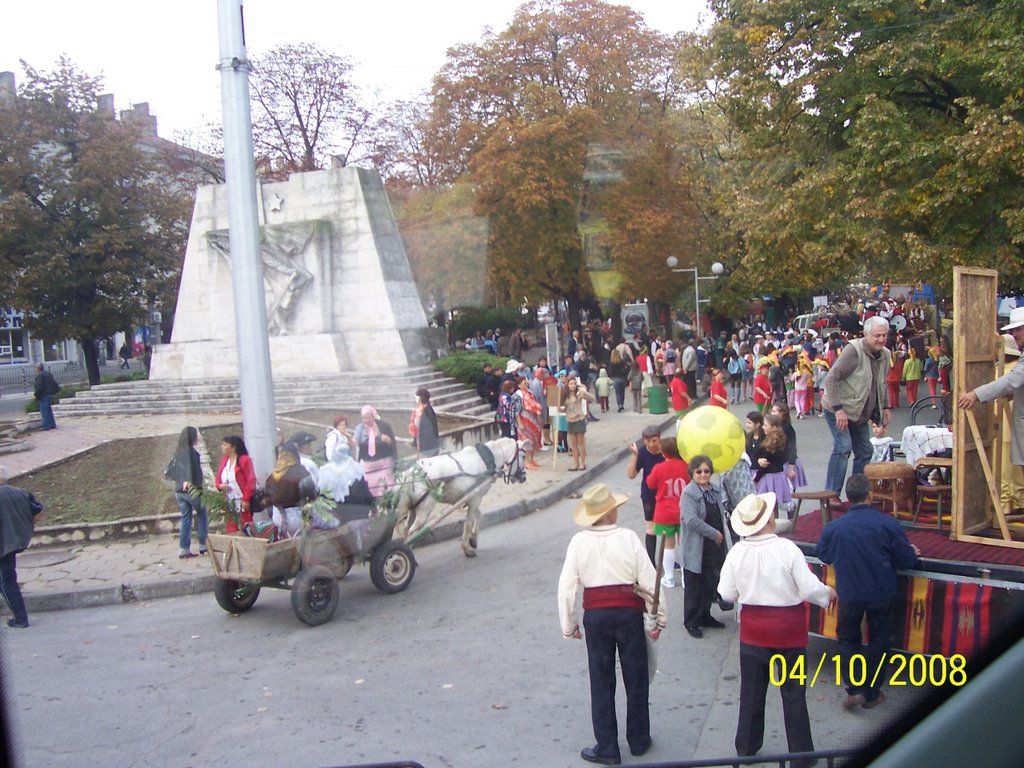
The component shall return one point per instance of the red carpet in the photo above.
(932, 543)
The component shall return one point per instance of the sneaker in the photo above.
(544, 449)
(875, 703)
(668, 583)
(14, 623)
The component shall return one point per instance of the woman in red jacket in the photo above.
(236, 478)
(680, 397)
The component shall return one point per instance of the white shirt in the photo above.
(310, 466)
(602, 556)
(767, 570)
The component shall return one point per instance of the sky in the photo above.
(165, 53)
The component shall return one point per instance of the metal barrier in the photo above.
(830, 756)
(21, 376)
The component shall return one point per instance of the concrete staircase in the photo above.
(386, 391)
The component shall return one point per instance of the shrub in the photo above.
(466, 366)
(469, 320)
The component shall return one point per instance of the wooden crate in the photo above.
(247, 559)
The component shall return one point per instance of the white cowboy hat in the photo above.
(1016, 319)
(753, 513)
(597, 502)
(1010, 346)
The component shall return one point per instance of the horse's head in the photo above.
(510, 458)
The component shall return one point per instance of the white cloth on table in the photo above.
(920, 441)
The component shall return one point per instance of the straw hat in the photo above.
(753, 513)
(1016, 319)
(512, 366)
(597, 502)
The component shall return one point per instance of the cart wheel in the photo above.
(314, 595)
(392, 566)
(235, 596)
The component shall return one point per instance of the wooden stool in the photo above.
(822, 497)
(894, 482)
(940, 492)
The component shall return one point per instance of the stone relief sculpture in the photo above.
(283, 250)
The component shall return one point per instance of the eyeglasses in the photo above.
(704, 471)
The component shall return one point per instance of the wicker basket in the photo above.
(894, 482)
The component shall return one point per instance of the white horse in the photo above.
(459, 479)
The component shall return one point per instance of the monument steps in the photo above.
(349, 392)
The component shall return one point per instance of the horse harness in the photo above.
(490, 470)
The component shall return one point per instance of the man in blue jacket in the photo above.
(866, 547)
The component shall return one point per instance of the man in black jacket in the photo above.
(45, 388)
(18, 512)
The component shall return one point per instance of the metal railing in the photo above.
(20, 377)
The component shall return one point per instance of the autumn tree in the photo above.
(878, 139)
(305, 110)
(520, 109)
(90, 232)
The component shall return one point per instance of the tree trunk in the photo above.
(92, 365)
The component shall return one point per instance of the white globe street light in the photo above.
(717, 269)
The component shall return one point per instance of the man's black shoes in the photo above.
(590, 755)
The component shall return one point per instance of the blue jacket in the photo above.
(866, 547)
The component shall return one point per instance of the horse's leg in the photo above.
(471, 527)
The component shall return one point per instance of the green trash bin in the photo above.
(657, 399)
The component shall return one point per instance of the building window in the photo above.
(54, 351)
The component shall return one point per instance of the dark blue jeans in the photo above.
(856, 439)
(606, 631)
(620, 392)
(10, 588)
(880, 625)
(46, 411)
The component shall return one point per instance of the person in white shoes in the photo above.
(667, 480)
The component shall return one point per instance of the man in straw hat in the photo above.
(866, 547)
(618, 587)
(1011, 383)
(770, 579)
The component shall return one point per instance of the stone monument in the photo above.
(340, 294)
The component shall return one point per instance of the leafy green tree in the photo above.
(90, 231)
(879, 139)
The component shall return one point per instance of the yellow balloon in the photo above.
(714, 432)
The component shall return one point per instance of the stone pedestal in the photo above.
(340, 295)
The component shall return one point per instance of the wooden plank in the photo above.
(1013, 543)
(990, 477)
(974, 355)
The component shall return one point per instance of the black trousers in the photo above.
(698, 595)
(754, 679)
(690, 379)
(12, 592)
(848, 632)
(606, 631)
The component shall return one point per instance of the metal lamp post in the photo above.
(717, 269)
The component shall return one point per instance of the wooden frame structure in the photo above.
(977, 443)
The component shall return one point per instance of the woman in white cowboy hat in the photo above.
(618, 587)
(769, 578)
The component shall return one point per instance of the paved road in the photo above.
(466, 668)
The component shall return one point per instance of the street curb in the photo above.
(129, 593)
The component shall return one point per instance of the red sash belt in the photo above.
(613, 596)
(774, 626)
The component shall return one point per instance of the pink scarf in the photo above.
(371, 431)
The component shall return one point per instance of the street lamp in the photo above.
(717, 269)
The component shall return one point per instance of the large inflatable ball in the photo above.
(714, 432)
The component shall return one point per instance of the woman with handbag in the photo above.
(375, 440)
(186, 471)
(236, 478)
(574, 400)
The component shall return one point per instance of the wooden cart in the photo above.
(309, 565)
